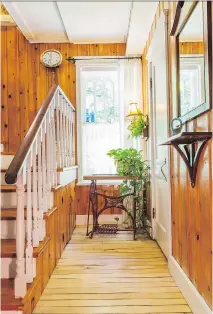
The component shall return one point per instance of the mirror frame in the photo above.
(178, 26)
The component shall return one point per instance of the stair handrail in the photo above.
(21, 155)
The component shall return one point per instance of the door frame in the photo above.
(157, 40)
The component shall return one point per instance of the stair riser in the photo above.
(6, 160)
(8, 267)
(9, 199)
(8, 229)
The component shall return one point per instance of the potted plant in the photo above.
(129, 162)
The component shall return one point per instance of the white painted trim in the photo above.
(192, 296)
(68, 175)
(152, 54)
(83, 64)
(12, 7)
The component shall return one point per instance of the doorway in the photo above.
(159, 121)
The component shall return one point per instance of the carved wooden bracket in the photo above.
(190, 146)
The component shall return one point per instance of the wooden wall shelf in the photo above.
(189, 145)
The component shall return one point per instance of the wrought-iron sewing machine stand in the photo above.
(109, 202)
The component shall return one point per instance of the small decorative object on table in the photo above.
(178, 128)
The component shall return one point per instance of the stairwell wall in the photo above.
(25, 81)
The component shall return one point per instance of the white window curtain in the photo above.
(132, 71)
(96, 139)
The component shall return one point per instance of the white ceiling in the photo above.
(193, 30)
(85, 22)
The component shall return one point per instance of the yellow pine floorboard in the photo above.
(111, 275)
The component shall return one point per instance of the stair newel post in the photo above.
(58, 130)
(20, 279)
(40, 198)
(35, 197)
(29, 248)
(52, 146)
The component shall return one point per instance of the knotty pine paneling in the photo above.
(191, 48)
(82, 198)
(25, 81)
(191, 208)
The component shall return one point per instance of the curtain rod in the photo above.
(101, 58)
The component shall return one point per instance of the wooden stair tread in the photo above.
(8, 188)
(8, 301)
(8, 247)
(3, 169)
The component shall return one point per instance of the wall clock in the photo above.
(51, 58)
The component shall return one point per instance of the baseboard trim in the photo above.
(192, 296)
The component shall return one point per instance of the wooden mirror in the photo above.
(193, 60)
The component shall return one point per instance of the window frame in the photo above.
(89, 65)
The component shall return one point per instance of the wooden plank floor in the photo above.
(111, 274)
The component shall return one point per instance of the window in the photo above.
(101, 117)
(191, 82)
(104, 90)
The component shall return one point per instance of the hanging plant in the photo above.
(137, 126)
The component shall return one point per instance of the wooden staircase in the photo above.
(37, 208)
(45, 255)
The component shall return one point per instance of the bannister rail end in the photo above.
(10, 178)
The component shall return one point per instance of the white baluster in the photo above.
(71, 137)
(63, 132)
(35, 198)
(58, 131)
(40, 196)
(20, 279)
(67, 133)
(49, 143)
(51, 147)
(62, 152)
(29, 248)
(45, 178)
(54, 144)
(68, 136)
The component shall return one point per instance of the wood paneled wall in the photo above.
(191, 208)
(25, 81)
(191, 48)
(82, 198)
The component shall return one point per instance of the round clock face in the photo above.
(51, 58)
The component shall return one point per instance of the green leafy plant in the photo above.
(137, 126)
(129, 162)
